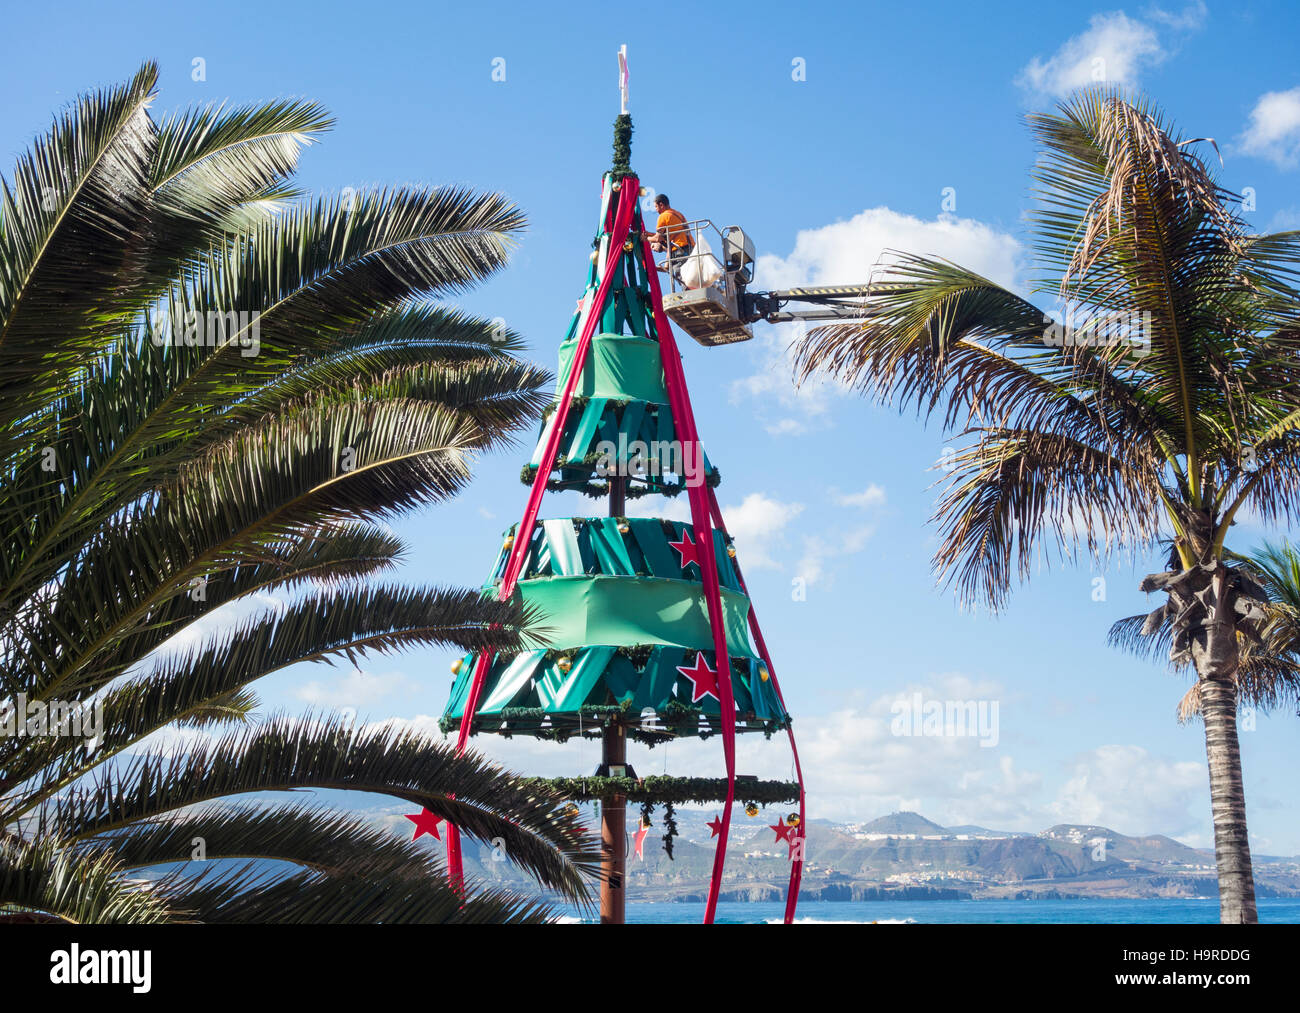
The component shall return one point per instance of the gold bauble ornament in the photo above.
(623, 527)
(792, 820)
(564, 664)
(628, 246)
(751, 810)
(731, 551)
(763, 673)
(593, 257)
(510, 540)
(640, 191)
(456, 666)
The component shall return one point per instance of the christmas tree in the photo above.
(649, 631)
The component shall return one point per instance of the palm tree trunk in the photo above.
(1228, 802)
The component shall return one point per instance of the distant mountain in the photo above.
(902, 855)
(1156, 848)
(902, 823)
(974, 831)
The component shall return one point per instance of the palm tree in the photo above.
(213, 391)
(1268, 674)
(1170, 401)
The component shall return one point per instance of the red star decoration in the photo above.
(687, 549)
(425, 823)
(639, 839)
(715, 826)
(783, 833)
(704, 680)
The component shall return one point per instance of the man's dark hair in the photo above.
(662, 199)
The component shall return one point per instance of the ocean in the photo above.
(974, 912)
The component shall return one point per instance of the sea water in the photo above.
(1202, 910)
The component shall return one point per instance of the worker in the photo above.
(671, 233)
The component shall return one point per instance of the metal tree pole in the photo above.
(613, 811)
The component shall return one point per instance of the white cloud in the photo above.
(856, 768)
(758, 524)
(871, 496)
(819, 549)
(849, 253)
(1190, 18)
(354, 689)
(1274, 129)
(1114, 49)
(1131, 791)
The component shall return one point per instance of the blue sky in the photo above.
(897, 102)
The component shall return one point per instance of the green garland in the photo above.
(622, 147)
(676, 720)
(670, 823)
(667, 790)
(596, 490)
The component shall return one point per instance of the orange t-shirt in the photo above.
(673, 222)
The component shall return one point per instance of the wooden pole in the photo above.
(613, 833)
(613, 811)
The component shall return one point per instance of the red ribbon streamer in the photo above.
(523, 533)
(796, 868)
(684, 418)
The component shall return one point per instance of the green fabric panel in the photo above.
(505, 688)
(625, 611)
(658, 679)
(766, 703)
(460, 686)
(649, 424)
(740, 688)
(633, 413)
(536, 460)
(559, 692)
(609, 425)
(661, 560)
(539, 560)
(636, 312)
(498, 568)
(607, 542)
(585, 429)
(622, 678)
(622, 367)
(726, 571)
(664, 427)
(566, 558)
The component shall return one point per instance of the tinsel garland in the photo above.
(666, 790)
(675, 721)
(670, 823)
(598, 489)
(622, 147)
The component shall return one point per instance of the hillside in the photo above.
(906, 855)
